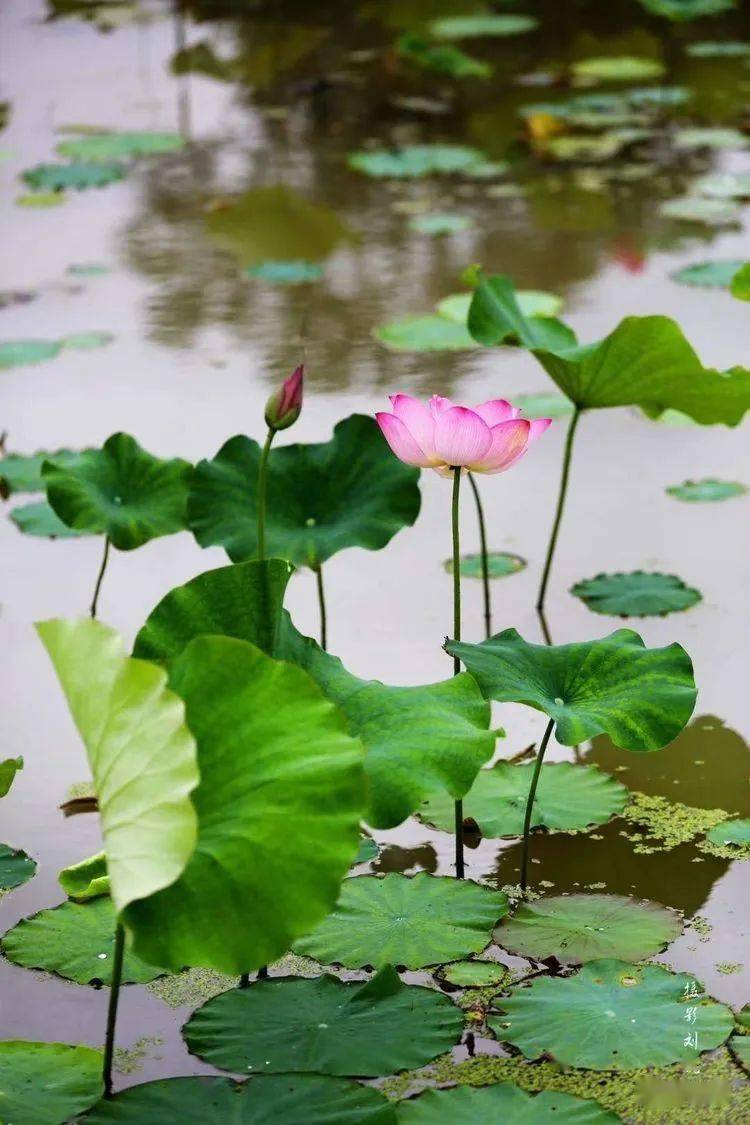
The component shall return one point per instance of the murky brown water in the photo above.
(198, 345)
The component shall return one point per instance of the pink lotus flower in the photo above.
(442, 436)
(284, 406)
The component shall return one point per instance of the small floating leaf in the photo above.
(473, 974)
(713, 275)
(740, 287)
(106, 147)
(472, 1105)
(42, 199)
(724, 185)
(441, 57)
(45, 1083)
(396, 920)
(16, 353)
(499, 565)
(9, 767)
(697, 209)
(731, 832)
(438, 222)
(623, 68)
(414, 161)
(87, 341)
(707, 490)
(482, 26)
(638, 594)
(682, 11)
(76, 176)
(576, 928)
(704, 136)
(41, 520)
(87, 269)
(424, 334)
(724, 49)
(16, 868)
(325, 1025)
(293, 272)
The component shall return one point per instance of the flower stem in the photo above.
(530, 803)
(262, 486)
(100, 576)
(485, 559)
(560, 505)
(322, 603)
(459, 811)
(114, 996)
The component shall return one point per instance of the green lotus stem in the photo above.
(114, 996)
(262, 487)
(485, 558)
(530, 803)
(459, 809)
(100, 576)
(559, 511)
(322, 603)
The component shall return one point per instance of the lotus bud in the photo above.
(284, 406)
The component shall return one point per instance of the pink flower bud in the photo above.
(284, 406)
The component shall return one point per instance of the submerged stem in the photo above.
(100, 576)
(485, 558)
(114, 996)
(262, 486)
(322, 604)
(530, 803)
(559, 510)
(459, 812)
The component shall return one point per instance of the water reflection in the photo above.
(406, 860)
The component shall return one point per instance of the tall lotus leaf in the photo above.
(496, 316)
(120, 491)
(641, 697)
(348, 492)
(279, 806)
(9, 767)
(141, 754)
(417, 739)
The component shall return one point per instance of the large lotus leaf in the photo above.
(76, 941)
(16, 868)
(638, 594)
(316, 1099)
(575, 928)
(46, 1083)
(9, 767)
(417, 739)
(120, 491)
(326, 1025)
(708, 490)
(642, 698)
(477, 1105)
(105, 147)
(716, 274)
(279, 806)
(17, 353)
(348, 492)
(735, 832)
(568, 798)
(612, 1016)
(683, 10)
(77, 176)
(87, 879)
(496, 315)
(141, 753)
(441, 57)
(414, 161)
(414, 922)
(22, 472)
(43, 521)
(481, 26)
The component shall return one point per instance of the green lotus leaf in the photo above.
(740, 287)
(705, 136)
(316, 1099)
(712, 275)
(414, 161)
(482, 26)
(441, 57)
(545, 405)
(472, 1105)
(724, 185)
(730, 832)
(76, 941)
(322, 498)
(76, 177)
(9, 767)
(576, 928)
(638, 594)
(120, 491)
(531, 302)
(22, 472)
(326, 1025)
(295, 803)
(611, 1016)
(594, 147)
(417, 739)
(724, 49)
(17, 353)
(682, 11)
(697, 209)
(410, 922)
(569, 798)
(429, 333)
(293, 272)
(87, 879)
(16, 868)
(657, 97)
(740, 1047)
(46, 1083)
(141, 753)
(439, 222)
(473, 974)
(106, 147)
(499, 565)
(41, 520)
(368, 850)
(496, 315)
(707, 490)
(618, 68)
(641, 697)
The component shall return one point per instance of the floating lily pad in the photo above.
(531, 302)
(87, 341)
(638, 594)
(17, 353)
(441, 57)
(657, 97)
(713, 275)
(322, 498)
(87, 269)
(482, 26)
(724, 185)
(568, 798)
(707, 490)
(698, 209)
(76, 176)
(616, 68)
(396, 920)
(22, 472)
(76, 942)
(368, 850)
(40, 519)
(611, 1016)
(642, 698)
(9, 767)
(315, 1099)
(438, 222)
(87, 879)
(42, 199)
(46, 1083)
(681, 11)
(295, 272)
(120, 491)
(473, 974)
(593, 147)
(475, 1105)
(576, 928)
(16, 868)
(740, 287)
(414, 161)
(325, 1025)
(544, 405)
(424, 334)
(705, 136)
(730, 832)
(106, 147)
(724, 49)
(499, 565)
